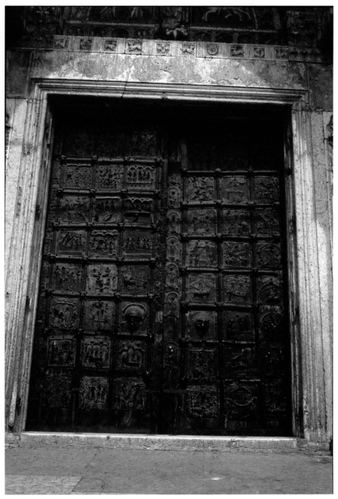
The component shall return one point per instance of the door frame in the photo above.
(308, 377)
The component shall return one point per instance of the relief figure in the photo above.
(134, 315)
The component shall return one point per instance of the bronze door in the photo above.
(226, 283)
(163, 292)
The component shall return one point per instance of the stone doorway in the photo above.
(163, 304)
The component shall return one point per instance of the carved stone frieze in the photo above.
(259, 52)
(237, 51)
(163, 48)
(110, 45)
(298, 27)
(212, 48)
(134, 47)
(188, 48)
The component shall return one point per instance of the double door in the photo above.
(163, 296)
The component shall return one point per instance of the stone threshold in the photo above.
(189, 443)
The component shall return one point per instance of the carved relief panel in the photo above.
(75, 209)
(109, 177)
(101, 279)
(71, 242)
(93, 394)
(64, 313)
(236, 223)
(103, 243)
(131, 355)
(96, 352)
(200, 189)
(67, 277)
(61, 351)
(99, 315)
(107, 210)
(235, 189)
(77, 176)
(201, 222)
(201, 324)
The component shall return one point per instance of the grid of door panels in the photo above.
(99, 261)
(226, 240)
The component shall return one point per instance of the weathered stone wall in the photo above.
(183, 65)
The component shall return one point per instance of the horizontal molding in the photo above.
(171, 91)
(212, 50)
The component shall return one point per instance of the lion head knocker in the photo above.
(134, 315)
(202, 325)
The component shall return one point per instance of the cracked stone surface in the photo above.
(66, 470)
